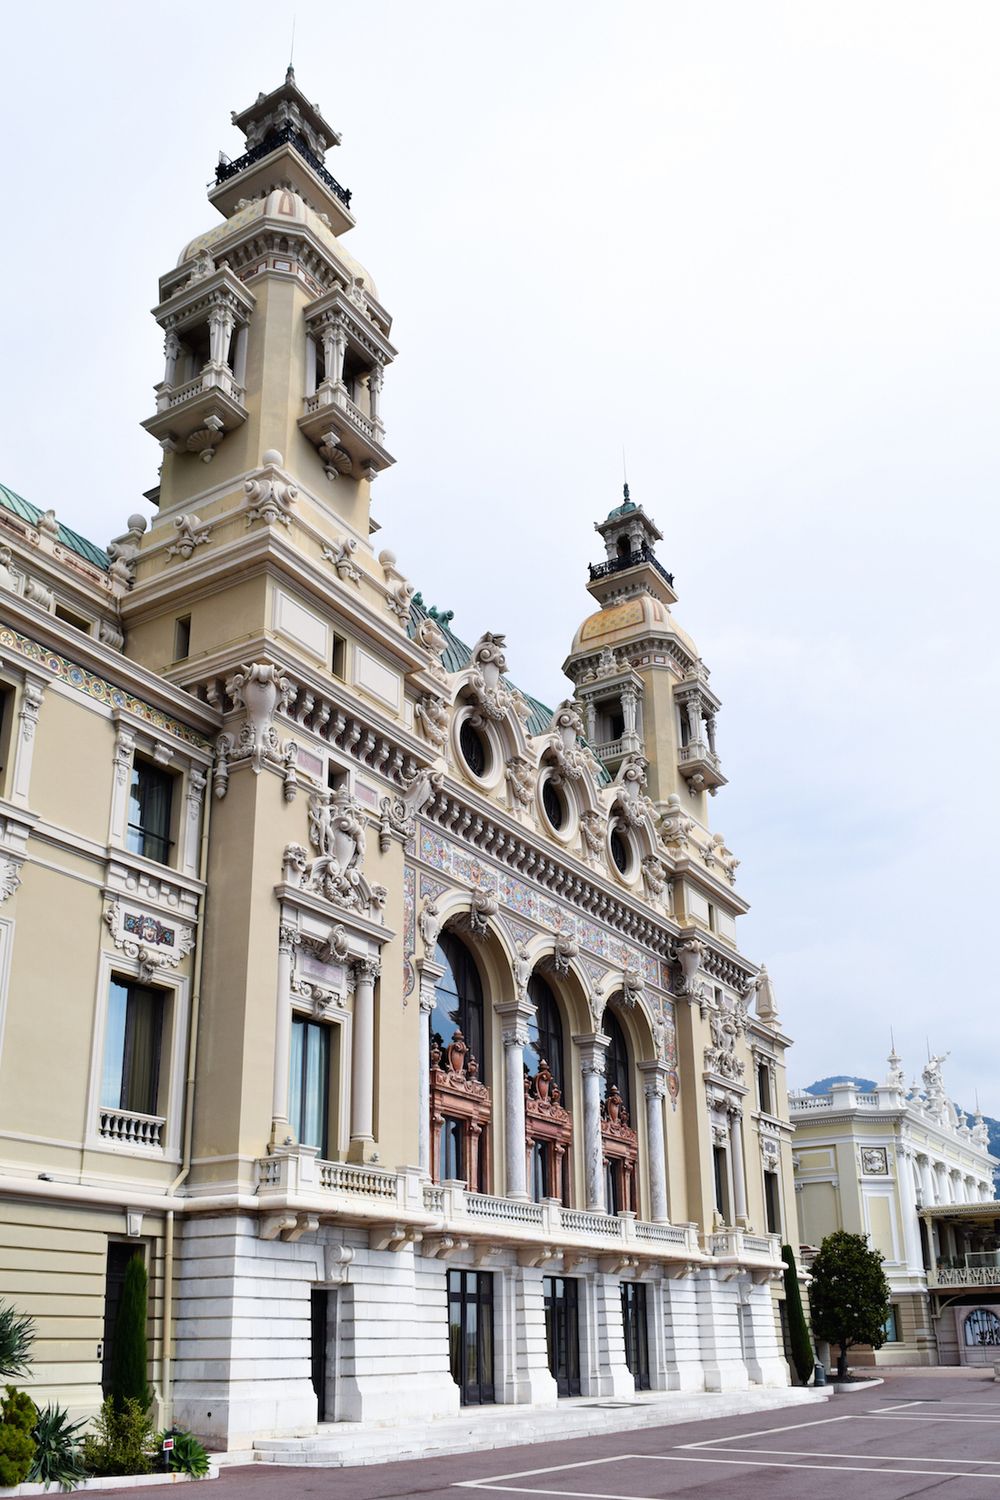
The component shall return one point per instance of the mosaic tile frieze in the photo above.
(95, 687)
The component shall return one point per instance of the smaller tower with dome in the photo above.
(638, 677)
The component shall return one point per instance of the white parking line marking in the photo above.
(767, 1431)
(882, 1458)
(924, 1417)
(584, 1463)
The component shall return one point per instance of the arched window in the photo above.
(548, 1123)
(458, 999)
(624, 548)
(620, 1142)
(460, 1100)
(616, 1063)
(982, 1329)
(545, 1033)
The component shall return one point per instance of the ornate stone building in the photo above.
(397, 1019)
(903, 1166)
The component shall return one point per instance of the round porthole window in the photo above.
(554, 803)
(473, 748)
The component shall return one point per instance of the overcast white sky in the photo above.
(757, 243)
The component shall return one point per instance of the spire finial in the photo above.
(290, 73)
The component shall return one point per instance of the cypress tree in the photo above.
(129, 1358)
(798, 1333)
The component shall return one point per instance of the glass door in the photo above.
(470, 1335)
(562, 1332)
(636, 1334)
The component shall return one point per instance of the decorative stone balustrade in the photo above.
(293, 1179)
(126, 1128)
(966, 1276)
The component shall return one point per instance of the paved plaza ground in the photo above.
(934, 1433)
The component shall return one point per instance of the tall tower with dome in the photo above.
(404, 1027)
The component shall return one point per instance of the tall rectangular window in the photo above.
(721, 1165)
(772, 1202)
(309, 1084)
(150, 805)
(182, 637)
(764, 1088)
(130, 1078)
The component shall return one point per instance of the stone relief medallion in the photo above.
(874, 1162)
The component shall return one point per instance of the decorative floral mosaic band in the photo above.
(96, 687)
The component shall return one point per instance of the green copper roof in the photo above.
(18, 506)
(457, 654)
(623, 509)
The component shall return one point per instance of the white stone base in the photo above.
(242, 1366)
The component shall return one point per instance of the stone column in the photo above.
(655, 1088)
(514, 1015)
(221, 322)
(593, 1050)
(590, 719)
(366, 971)
(739, 1167)
(628, 701)
(430, 973)
(927, 1181)
(288, 940)
(374, 391)
(908, 1210)
(32, 694)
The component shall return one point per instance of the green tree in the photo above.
(129, 1357)
(798, 1333)
(17, 1333)
(849, 1294)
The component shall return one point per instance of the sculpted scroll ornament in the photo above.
(655, 878)
(493, 697)
(260, 689)
(432, 713)
(484, 905)
(715, 852)
(191, 533)
(341, 555)
(10, 878)
(593, 830)
(675, 825)
(565, 949)
(521, 781)
(270, 500)
(429, 922)
(632, 986)
(564, 732)
(398, 813)
(337, 829)
(632, 802)
(399, 599)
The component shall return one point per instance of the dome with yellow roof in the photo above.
(628, 620)
(282, 203)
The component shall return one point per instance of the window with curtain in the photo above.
(133, 1032)
(545, 1033)
(309, 1083)
(458, 999)
(149, 811)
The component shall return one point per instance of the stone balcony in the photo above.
(967, 1276)
(700, 766)
(347, 438)
(211, 403)
(297, 1190)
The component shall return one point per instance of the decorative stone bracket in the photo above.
(260, 689)
(398, 813)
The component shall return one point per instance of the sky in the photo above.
(753, 244)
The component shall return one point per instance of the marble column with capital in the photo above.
(366, 972)
(514, 1018)
(655, 1090)
(430, 973)
(738, 1166)
(288, 941)
(593, 1050)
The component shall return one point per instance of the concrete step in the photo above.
(345, 1444)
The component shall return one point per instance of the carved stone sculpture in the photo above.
(690, 952)
(564, 751)
(483, 906)
(429, 922)
(270, 499)
(341, 555)
(493, 698)
(675, 825)
(565, 949)
(433, 715)
(398, 813)
(593, 831)
(520, 778)
(259, 688)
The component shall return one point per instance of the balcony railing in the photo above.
(126, 1128)
(212, 377)
(287, 135)
(295, 1180)
(641, 554)
(942, 1276)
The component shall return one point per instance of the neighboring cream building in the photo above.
(403, 1028)
(904, 1167)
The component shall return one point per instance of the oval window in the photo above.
(473, 748)
(553, 803)
(620, 852)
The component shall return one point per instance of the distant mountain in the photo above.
(867, 1085)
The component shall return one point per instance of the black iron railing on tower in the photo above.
(287, 135)
(640, 554)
